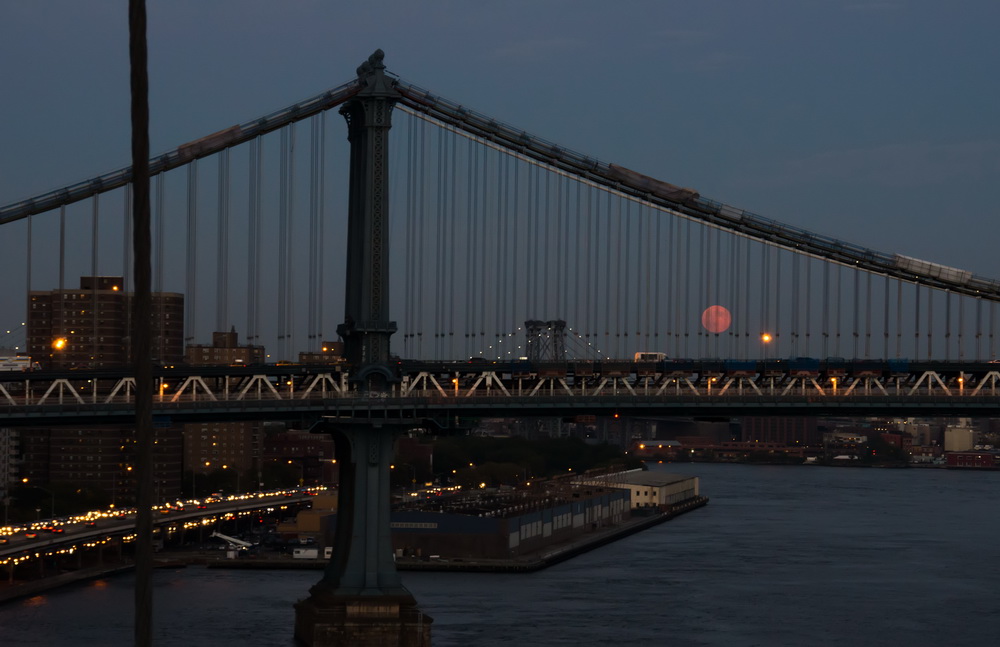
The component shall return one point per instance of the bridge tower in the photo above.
(366, 328)
(545, 340)
(361, 601)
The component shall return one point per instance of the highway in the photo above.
(67, 534)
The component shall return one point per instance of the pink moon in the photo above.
(716, 319)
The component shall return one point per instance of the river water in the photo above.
(791, 555)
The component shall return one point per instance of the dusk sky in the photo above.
(871, 121)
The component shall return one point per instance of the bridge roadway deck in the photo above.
(442, 411)
(440, 391)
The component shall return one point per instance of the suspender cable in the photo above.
(95, 215)
(809, 300)
(453, 227)
(837, 309)
(159, 219)
(737, 296)
(608, 277)
(592, 271)
(796, 291)
(961, 325)
(777, 300)
(626, 283)
(289, 284)
(191, 289)
(765, 282)
(62, 248)
(28, 263)
(438, 238)
(916, 322)
(674, 297)
(979, 329)
(825, 326)
(222, 260)
(312, 297)
(648, 277)
(899, 318)
(868, 315)
(127, 256)
(619, 288)
(483, 253)
(470, 202)
(283, 235)
(320, 229)
(930, 323)
(504, 226)
(421, 212)
(993, 312)
(703, 275)
(544, 273)
(500, 245)
(515, 261)
(885, 316)
(686, 271)
(857, 309)
(718, 264)
(559, 298)
(254, 242)
(582, 249)
(947, 325)
(127, 242)
(657, 250)
(410, 276)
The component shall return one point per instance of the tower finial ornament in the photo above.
(371, 75)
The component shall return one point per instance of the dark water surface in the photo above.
(800, 555)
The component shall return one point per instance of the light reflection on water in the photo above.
(781, 556)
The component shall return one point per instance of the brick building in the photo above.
(224, 350)
(102, 458)
(88, 327)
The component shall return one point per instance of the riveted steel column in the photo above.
(366, 328)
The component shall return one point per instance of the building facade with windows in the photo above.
(88, 327)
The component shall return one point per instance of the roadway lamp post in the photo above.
(413, 475)
(766, 339)
(49, 492)
(238, 491)
(302, 471)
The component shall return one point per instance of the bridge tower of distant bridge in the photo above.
(360, 600)
(545, 340)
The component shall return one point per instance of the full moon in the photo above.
(716, 319)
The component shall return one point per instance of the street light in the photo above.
(238, 491)
(302, 471)
(413, 474)
(49, 492)
(766, 339)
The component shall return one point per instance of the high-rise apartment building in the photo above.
(88, 327)
(101, 458)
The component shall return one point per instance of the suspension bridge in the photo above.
(526, 277)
